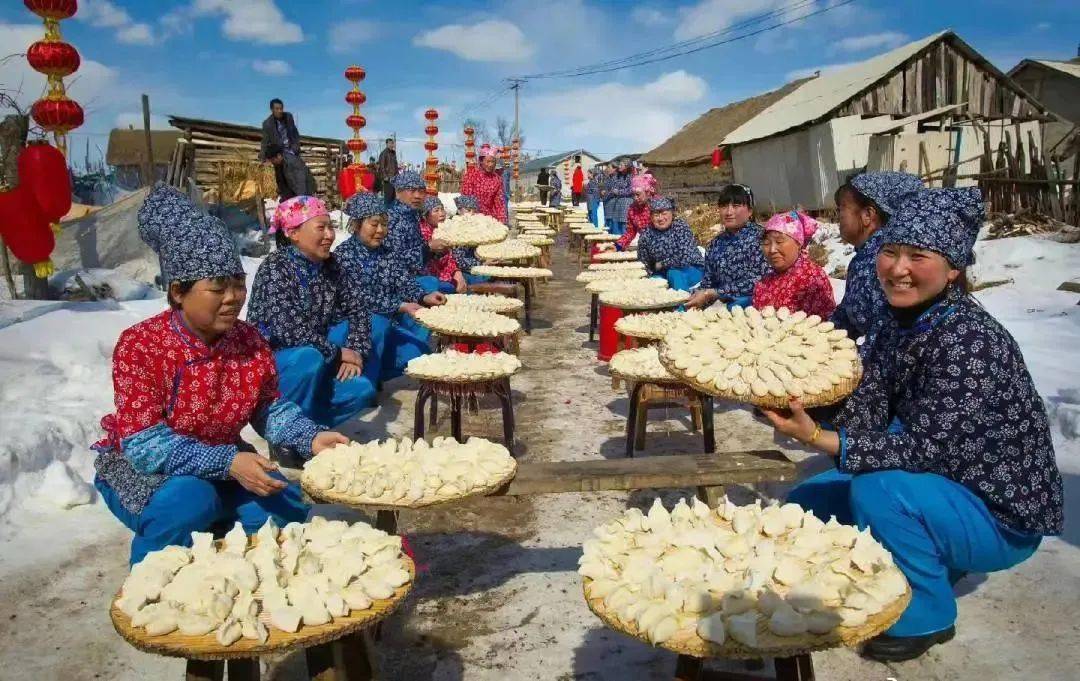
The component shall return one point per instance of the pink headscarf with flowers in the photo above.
(291, 213)
(644, 181)
(487, 150)
(796, 224)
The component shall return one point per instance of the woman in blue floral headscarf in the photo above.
(944, 448)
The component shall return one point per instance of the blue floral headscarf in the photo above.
(943, 220)
(191, 245)
(364, 205)
(888, 189)
(430, 204)
(408, 179)
(661, 203)
(466, 201)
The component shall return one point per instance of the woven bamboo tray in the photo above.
(449, 333)
(206, 647)
(505, 305)
(460, 380)
(615, 256)
(769, 644)
(837, 393)
(601, 237)
(665, 305)
(540, 273)
(365, 503)
(639, 334)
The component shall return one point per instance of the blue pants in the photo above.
(308, 379)
(394, 344)
(447, 287)
(936, 529)
(741, 301)
(618, 228)
(591, 207)
(683, 278)
(186, 504)
(476, 279)
(428, 284)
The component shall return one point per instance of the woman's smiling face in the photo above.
(910, 276)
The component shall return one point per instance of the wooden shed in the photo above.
(224, 158)
(798, 150)
(682, 164)
(127, 152)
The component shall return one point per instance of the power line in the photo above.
(648, 57)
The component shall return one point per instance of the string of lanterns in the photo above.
(43, 195)
(431, 175)
(470, 147)
(351, 178)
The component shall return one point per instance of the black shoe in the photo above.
(886, 648)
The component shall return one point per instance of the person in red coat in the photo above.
(796, 282)
(442, 265)
(577, 185)
(486, 184)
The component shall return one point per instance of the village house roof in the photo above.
(695, 142)
(1071, 68)
(534, 165)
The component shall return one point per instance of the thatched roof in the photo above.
(126, 146)
(695, 142)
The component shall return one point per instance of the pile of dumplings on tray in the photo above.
(639, 364)
(407, 473)
(511, 249)
(470, 230)
(654, 325)
(757, 353)
(511, 272)
(488, 303)
(589, 276)
(306, 574)
(698, 574)
(464, 366)
(466, 321)
(620, 284)
(639, 298)
(615, 256)
(626, 265)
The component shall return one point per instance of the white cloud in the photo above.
(492, 40)
(105, 14)
(823, 69)
(650, 16)
(135, 34)
(642, 115)
(1043, 26)
(709, 16)
(272, 67)
(260, 21)
(873, 41)
(346, 35)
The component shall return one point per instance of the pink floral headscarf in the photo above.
(291, 213)
(644, 181)
(796, 224)
(487, 150)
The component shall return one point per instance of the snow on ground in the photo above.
(55, 386)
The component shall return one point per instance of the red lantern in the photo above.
(355, 121)
(346, 182)
(431, 162)
(25, 230)
(52, 9)
(356, 145)
(355, 74)
(469, 130)
(355, 97)
(470, 154)
(43, 172)
(53, 58)
(431, 115)
(431, 130)
(431, 146)
(57, 115)
(717, 157)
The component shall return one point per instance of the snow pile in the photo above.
(840, 253)
(101, 284)
(1029, 261)
(55, 385)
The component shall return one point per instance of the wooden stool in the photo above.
(645, 395)
(459, 393)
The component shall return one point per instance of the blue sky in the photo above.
(224, 59)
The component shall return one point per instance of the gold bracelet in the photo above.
(816, 435)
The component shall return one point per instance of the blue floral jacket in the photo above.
(735, 262)
(375, 278)
(864, 301)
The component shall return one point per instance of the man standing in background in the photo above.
(387, 168)
(281, 148)
(542, 179)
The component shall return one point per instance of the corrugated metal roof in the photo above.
(821, 95)
(555, 159)
(1069, 67)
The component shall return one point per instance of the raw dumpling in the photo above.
(743, 628)
(711, 628)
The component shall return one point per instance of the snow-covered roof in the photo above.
(1070, 67)
(818, 97)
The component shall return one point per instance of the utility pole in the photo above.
(148, 163)
(516, 86)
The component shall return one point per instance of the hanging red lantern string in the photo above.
(431, 175)
(55, 113)
(470, 147)
(44, 174)
(351, 178)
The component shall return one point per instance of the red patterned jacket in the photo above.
(638, 219)
(488, 190)
(444, 266)
(804, 286)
